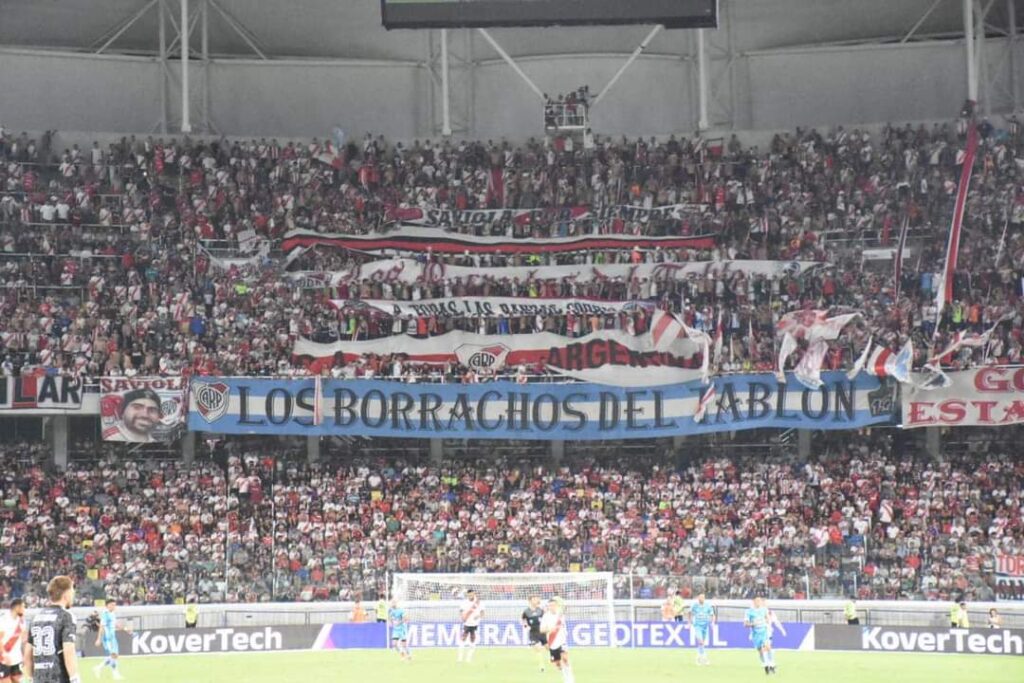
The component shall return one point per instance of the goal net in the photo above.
(586, 597)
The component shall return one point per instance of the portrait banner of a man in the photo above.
(142, 409)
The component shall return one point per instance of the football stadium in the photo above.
(491, 341)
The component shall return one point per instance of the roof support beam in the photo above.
(127, 25)
(632, 58)
(244, 33)
(446, 112)
(702, 83)
(1011, 17)
(186, 95)
(162, 34)
(972, 66)
(192, 23)
(511, 62)
(924, 17)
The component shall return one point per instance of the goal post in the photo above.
(586, 596)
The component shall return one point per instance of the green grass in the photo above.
(590, 665)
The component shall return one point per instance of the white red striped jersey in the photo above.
(471, 612)
(12, 631)
(554, 626)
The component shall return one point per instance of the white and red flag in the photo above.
(973, 340)
(808, 370)
(945, 293)
(665, 329)
(706, 399)
(880, 361)
(814, 324)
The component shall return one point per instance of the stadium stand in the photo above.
(107, 268)
(110, 267)
(866, 515)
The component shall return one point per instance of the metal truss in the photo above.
(720, 81)
(450, 67)
(184, 23)
(998, 73)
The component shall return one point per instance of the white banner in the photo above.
(410, 271)
(991, 396)
(611, 348)
(492, 307)
(448, 218)
(42, 394)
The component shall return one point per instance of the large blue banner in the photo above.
(581, 634)
(506, 410)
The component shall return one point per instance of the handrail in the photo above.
(64, 224)
(93, 382)
(35, 255)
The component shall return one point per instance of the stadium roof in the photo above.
(352, 28)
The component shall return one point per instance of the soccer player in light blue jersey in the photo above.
(702, 616)
(399, 631)
(759, 619)
(107, 635)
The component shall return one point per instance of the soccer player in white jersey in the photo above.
(13, 635)
(553, 626)
(470, 612)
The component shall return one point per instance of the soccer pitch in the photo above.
(504, 665)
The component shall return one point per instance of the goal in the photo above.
(586, 597)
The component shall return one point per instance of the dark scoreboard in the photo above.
(489, 13)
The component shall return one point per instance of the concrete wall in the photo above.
(309, 99)
(41, 91)
(859, 84)
(779, 89)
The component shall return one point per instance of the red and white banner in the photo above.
(143, 409)
(450, 218)
(409, 271)
(1009, 577)
(1011, 565)
(607, 348)
(991, 396)
(945, 294)
(491, 307)
(415, 239)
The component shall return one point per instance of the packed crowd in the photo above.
(865, 515)
(109, 266)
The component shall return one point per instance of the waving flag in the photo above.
(330, 156)
(808, 370)
(814, 324)
(705, 400)
(898, 261)
(665, 329)
(945, 294)
(718, 342)
(880, 361)
(968, 339)
(786, 349)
